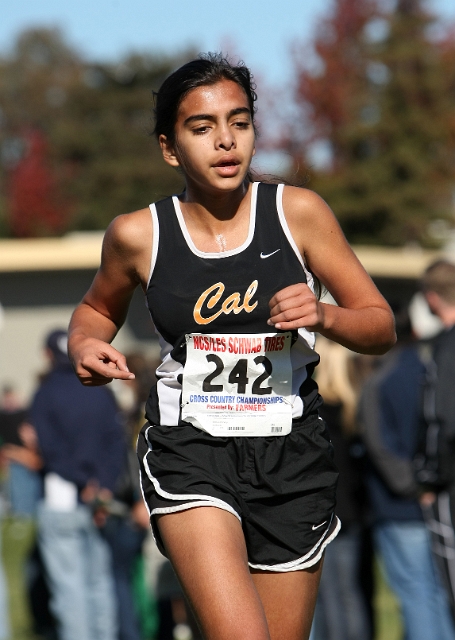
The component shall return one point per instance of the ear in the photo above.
(168, 151)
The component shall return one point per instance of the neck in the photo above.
(213, 211)
(220, 223)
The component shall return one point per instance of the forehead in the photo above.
(217, 98)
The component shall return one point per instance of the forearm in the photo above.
(370, 330)
(87, 322)
(23, 456)
(94, 360)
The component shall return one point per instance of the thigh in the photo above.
(207, 549)
(290, 493)
(289, 600)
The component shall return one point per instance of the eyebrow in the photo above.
(208, 116)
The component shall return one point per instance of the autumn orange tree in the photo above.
(379, 95)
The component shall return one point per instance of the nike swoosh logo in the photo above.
(316, 526)
(267, 255)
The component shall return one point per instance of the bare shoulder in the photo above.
(128, 243)
(129, 232)
(300, 203)
(301, 197)
(325, 249)
(309, 216)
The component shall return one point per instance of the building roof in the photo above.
(73, 251)
(388, 262)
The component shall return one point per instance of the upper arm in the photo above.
(125, 263)
(326, 251)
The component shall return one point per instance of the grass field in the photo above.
(18, 538)
(388, 618)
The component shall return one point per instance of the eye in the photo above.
(243, 124)
(198, 131)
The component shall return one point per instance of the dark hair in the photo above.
(208, 69)
(57, 343)
(440, 278)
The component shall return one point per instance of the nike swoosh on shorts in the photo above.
(316, 526)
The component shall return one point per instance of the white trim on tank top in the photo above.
(288, 234)
(155, 241)
(223, 254)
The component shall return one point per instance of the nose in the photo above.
(226, 138)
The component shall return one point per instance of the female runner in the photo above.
(237, 467)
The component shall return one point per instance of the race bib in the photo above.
(238, 384)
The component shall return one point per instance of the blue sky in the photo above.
(260, 31)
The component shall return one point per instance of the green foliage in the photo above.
(391, 172)
(97, 119)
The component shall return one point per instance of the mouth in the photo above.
(228, 162)
(227, 167)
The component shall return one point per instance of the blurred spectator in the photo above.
(23, 481)
(435, 461)
(389, 416)
(82, 445)
(23, 490)
(12, 415)
(342, 611)
(128, 520)
(144, 370)
(4, 616)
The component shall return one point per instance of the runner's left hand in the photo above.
(294, 307)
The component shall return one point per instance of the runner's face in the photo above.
(214, 137)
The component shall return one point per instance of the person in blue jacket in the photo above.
(81, 441)
(389, 416)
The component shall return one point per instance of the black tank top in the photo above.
(190, 291)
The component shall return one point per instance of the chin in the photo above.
(232, 182)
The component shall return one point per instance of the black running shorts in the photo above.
(281, 488)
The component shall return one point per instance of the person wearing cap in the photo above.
(80, 439)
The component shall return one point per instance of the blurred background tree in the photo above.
(74, 137)
(371, 122)
(377, 111)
